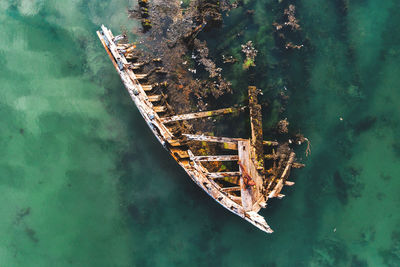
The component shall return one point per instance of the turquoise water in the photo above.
(84, 183)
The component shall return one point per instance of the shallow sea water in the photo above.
(84, 183)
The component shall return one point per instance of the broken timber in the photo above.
(199, 115)
(251, 188)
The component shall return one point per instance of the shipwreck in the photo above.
(254, 170)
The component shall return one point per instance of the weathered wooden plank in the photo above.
(134, 88)
(256, 140)
(141, 76)
(202, 114)
(179, 153)
(155, 98)
(217, 158)
(107, 50)
(231, 189)
(175, 142)
(250, 194)
(228, 140)
(147, 87)
(208, 138)
(219, 175)
(278, 187)
(160, 109)
(289, 183)
(197, 174)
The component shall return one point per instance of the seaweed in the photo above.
(391, 256)
(367, 235)
(357, 262)
(364, 125)
(348, 185)
(385, 177)
(22, 213)
(329, 252)
(31, 234)
(341, 187)
(396, 149)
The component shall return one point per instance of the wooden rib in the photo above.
(147, 87)
(195, 171)
(219, 175)
(175, 142)
(141, 76)
(207, 138)
(250, 194)
(107, 50)
(197, 115)
(277, 189)
(133, 87)
(179, 153)
(155, 98)
(160, 109)
(216, 139)
(137, 65)
(231, 189)
(270, 143)
(217, 158)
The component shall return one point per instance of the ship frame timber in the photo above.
(252, 197)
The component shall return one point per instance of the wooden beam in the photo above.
(270, 143)
(231, 189)
(141, 76)
(196, 172)
(160, 109)
(208, 138)
(219, 175)
(179, 153)
(256, 140)
(175, 142)
(278, 187)
(155, 98)
(250, 194)
(230, 140)
(133, 87)
(216, 158)
(202, 114)
(147, 87)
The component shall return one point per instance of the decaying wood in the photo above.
(207, 138)
(201, 114)
(250, 194)
(242, 192)
(218, 175)
(231, 189)
(216, 139)
(154, 98)
(256, 128)
(147, 87)
(160, 109)
(217, 158)
(278, 188)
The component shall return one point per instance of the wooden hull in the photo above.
(190, 164)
